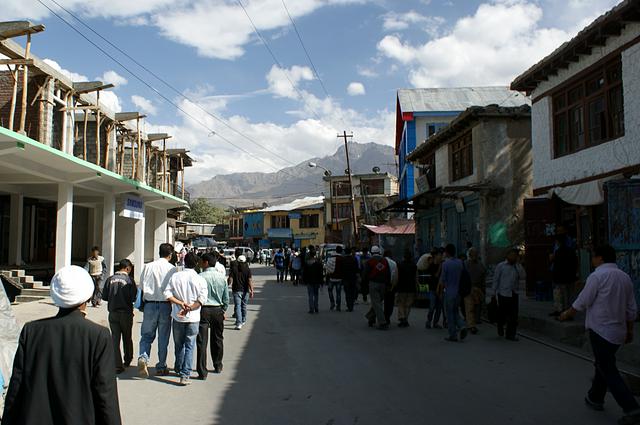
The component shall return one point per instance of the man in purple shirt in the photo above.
(611, 309)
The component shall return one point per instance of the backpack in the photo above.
(464, 288)
(377, 268)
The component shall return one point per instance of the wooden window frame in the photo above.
(562, 105)
(310, 221)
(461, 155)
(368, 184)
(278, 220)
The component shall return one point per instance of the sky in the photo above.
(241, 110)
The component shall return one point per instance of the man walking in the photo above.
(506, 281)
(97, 269)
(611, 309)
(452, 269)
(241, 282)
(376, 275)
(313, 276)
(157, 311)
(390, 293)
(278, 262)
(63, 369)
(473, 301)
(187, 292)
(406, 288)
(334, 272)
(350, 272)
(120, 294)
(212, 317)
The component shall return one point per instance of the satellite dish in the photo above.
(376, 170)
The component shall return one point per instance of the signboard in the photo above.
(295, 216)
(132, 207)
(253, 225)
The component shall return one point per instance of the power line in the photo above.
(167, 84)
(165, 98)
(275, 59)
(306, 52)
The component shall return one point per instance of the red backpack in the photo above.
(378, 267)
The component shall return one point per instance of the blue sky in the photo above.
(364, 50)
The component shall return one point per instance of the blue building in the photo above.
(421, 113)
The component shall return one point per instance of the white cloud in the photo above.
(367, 72)
(502, 39)
(112, 77)
(282, 81)
(394, 21)
(144, 105)
(356, 89)
(73, 76)
(110, 100)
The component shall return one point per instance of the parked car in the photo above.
(327, 250)
(229, 254)
(247, 252)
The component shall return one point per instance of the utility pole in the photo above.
(354, 216)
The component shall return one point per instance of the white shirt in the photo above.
(393, 268)
(154, 279)
(220, 268)
(507, 278)
(189, 287)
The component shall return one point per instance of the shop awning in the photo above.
(33, 169)
(405, 227)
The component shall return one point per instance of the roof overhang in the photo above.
(34, 170)
(595, 35)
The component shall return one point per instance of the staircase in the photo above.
(32, 290)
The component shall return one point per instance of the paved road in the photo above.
(288, 367)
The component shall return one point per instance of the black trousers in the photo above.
(389, 302)
(350, 292)
(607, 375)
(211, 322)
(121, 324)
(508, 314)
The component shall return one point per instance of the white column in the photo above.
(64, 225)
(15, 229)
(138, 247)
(159, 230)
(109, 230)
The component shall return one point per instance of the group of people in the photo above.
(189, 301)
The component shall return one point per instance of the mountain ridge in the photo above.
(255, 188)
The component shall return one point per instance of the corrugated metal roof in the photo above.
(457, 98)
(308, 202)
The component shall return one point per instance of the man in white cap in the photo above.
(377, 276)
(63, 369)
(241, 282)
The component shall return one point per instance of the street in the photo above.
(289, 367)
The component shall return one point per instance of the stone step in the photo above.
(28, 298)
(35, 292)
(26, 279)
(17, 273)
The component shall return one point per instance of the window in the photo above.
(310, 221)
(461, 157)
(279, 221)
(433, 128)
(589, 112)
(372, 187)
(341, 189)
(428, 169)
(343, 210)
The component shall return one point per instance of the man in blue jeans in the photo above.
(242, 287)
(450, 284)
(157, 311)
(187, 291)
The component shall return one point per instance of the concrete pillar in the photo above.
(138, 247)
(109, 230)
(160, 230)
(15, 229)
(64, 225)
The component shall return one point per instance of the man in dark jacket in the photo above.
(120, 293)
(350, 271)
(63, 369)
(312, 276)
(406, 288)
(563, 270)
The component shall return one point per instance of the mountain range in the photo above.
(256, 189)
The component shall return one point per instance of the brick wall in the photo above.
(33, 112)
